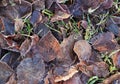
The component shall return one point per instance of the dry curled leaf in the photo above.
(99, 69)
(74, 80)
(72, 71)
(60, 16)
(61, 13)
(112, 78)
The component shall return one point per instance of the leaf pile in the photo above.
(59, 42)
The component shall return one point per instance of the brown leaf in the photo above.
(74, 80)
(1, 25)
(116, 60)
(3, 41)
(61, 13)
(28, 47)
(5, 72)
(78, 78)
(11, 58)
(104, 42)
(49, 47)
(95, 57)
(18, 10)
(83, 50)
(12, 80)
(30, 70)
(49, 79)
(14, 42)
(112, 78)
(24, 48)
(72, 71)
(10, 13)
(11, 42)
(67, 46)
(60, 16)
(99, 69)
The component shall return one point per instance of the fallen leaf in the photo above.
(83, 50)
(5, 72)
(11, 58)
(36, 17)
(8, 26)
(113, 26)
(18, 10)
(10, 13)
(28, 47)
(49, 47)
(60, 16)
(67, 46)
(74, 80)
(99, 69)
(3, 41)
(72, 71)
(61, 13)
(24, 8)
(24, 48)
(41, 29)
(12, 80)
(112, 78)
(30, 70)
(116, 60)
(104, 42)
